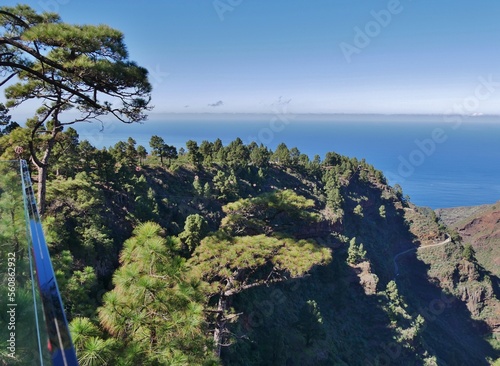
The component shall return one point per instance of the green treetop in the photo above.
(154, 309)
(79, 68)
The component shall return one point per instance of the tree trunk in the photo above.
(220, 324)
(43, 172)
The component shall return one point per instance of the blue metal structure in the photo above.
(49, 341)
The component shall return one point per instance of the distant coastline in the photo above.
(457, 169)
(328, 117)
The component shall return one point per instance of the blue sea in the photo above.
(439, 161)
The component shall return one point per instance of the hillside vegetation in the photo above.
(478, 226)
(239, 255)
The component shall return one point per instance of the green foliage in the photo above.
(237, 155)
(260, 283)
(282, 155)
(454, 235)
(267, 213)
(332, 159)
(162, 150)
(310, 323)
(468, 253)
(4, 115)
(76, 286)
(91, 348)
(226, 185)
(358, 210)
(146, 207)
(195, 229)
(77, 222)
(206, 151)
(207, 191)
(295, 157)
(392, 294)
(79, 289)
(20, 137)
(193, 154)
(261, 174)
(231, 265)
(5, 120)
(356, 252)
(398, 191)
(382, 211)
(13, 233)
(125, 153)
(154, 308)
(408, 327)
(259, 156)
(334, 198)
(141, 154)
(197, 186)
(79, 68)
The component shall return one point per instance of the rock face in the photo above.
(367, 279)
(477, 284)
(473, 293)
(479, 226)
(483, 233)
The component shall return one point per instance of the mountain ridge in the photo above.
(215, 234)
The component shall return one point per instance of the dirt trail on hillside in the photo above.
(396, 268)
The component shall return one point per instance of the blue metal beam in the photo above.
(60, 344)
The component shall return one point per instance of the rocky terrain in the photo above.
(480, 227)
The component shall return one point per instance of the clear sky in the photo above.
(323, 56)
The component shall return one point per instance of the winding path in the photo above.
(396, 268)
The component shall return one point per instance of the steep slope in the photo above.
(479, 226)
(398, 290)
(361, 313)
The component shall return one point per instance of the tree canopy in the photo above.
(267, 213)
(88, 65)
(154, 309)
(79, 73)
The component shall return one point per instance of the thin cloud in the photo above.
(216, 104)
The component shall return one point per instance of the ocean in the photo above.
(439, 161)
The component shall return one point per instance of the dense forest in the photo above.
(222, 253)
(238, 255)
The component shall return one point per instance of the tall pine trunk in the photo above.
(220, 324)
(43, 171)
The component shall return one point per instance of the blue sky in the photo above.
(324, 56)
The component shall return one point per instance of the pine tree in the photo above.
(91, 347)
(193, 153)
(158, 145)
(310, 323)
(197, 186)
(282, 155)
(267, 213)
(230, 266)
(79, 68)
(468, 253)
(207, 191)
(154, 309)
(195, 229)
(356, 252)
(142, 154)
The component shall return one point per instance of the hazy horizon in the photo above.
(378, 57)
